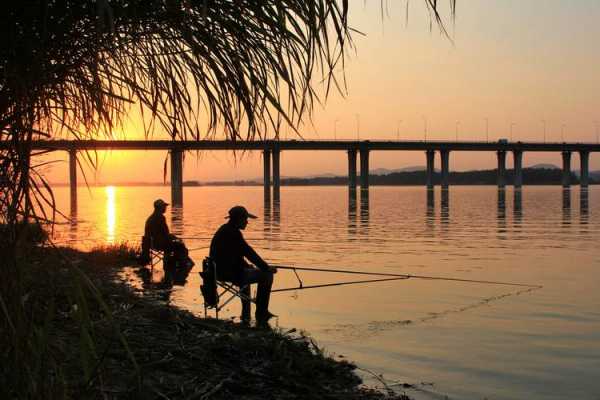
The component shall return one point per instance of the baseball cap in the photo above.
(159, 203)
(239, 212)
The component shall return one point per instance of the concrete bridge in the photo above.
(272, 149)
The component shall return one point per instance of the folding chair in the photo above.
(214, 297)
(155, 256)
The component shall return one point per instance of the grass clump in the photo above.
(32, 233)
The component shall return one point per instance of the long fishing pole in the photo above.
(251, 239)
(301, 287)
(406, 276)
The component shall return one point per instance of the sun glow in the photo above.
(111, 213)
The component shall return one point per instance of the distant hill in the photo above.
(385, 171)
(544, 166)
(531, 176)
(317, 178)
(326, 175)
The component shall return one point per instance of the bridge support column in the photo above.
(518, 168)
(430, 168)
(501, 169)
(584, 172)
(445, 155)
(352, 169)
(177, 177)
(276, 174)
(566, 176)
(267, 173)
(364, 168)
(73, 178)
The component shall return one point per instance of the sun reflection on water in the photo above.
(111, 213)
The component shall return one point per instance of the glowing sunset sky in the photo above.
(515, 62)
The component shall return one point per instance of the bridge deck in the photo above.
(310, 145)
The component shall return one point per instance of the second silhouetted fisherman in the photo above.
(230, 250)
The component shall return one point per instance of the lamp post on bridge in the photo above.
(335, 129)
(544, 123)
(398, 130)
(456, 130)
(487, 129)
(425, 127)
(512, 124)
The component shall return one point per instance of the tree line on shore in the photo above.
(531, 176)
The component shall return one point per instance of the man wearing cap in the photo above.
(161, 239)
(230, 250)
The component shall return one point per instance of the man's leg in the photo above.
(245, 290)
(265, 281)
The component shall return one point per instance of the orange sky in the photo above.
(512, 62)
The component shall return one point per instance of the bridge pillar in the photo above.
(267, 173)
(501, 169)
(430, 168)
(518, 168)
(352, 169)
(73, 178)
(364, 168)
(566, 176)
(445, 155)
(584, 173)
(501, 204)
(177, 177)
(276, 174)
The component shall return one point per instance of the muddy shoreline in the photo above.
(133, 346)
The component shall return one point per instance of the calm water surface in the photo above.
(464, 341)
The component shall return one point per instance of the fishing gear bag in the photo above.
(209, 283)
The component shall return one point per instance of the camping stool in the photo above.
(156, 256)
(220, 289)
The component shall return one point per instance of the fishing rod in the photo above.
(199, 248)
(255, 239)
(337, 284)
(404, 276)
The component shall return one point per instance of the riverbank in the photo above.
(110, 342)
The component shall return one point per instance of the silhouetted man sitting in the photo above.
(229, 251)
(157, 233)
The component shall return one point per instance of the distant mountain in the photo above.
(412, 168)
(326, 175)
(540, 174)
(531, 176)
(386, 171)
(544, 166)
(376, 171)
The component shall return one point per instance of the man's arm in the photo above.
(253, 256)
(164, 228)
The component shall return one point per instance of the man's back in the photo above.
(157, 229)
(228, 249)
